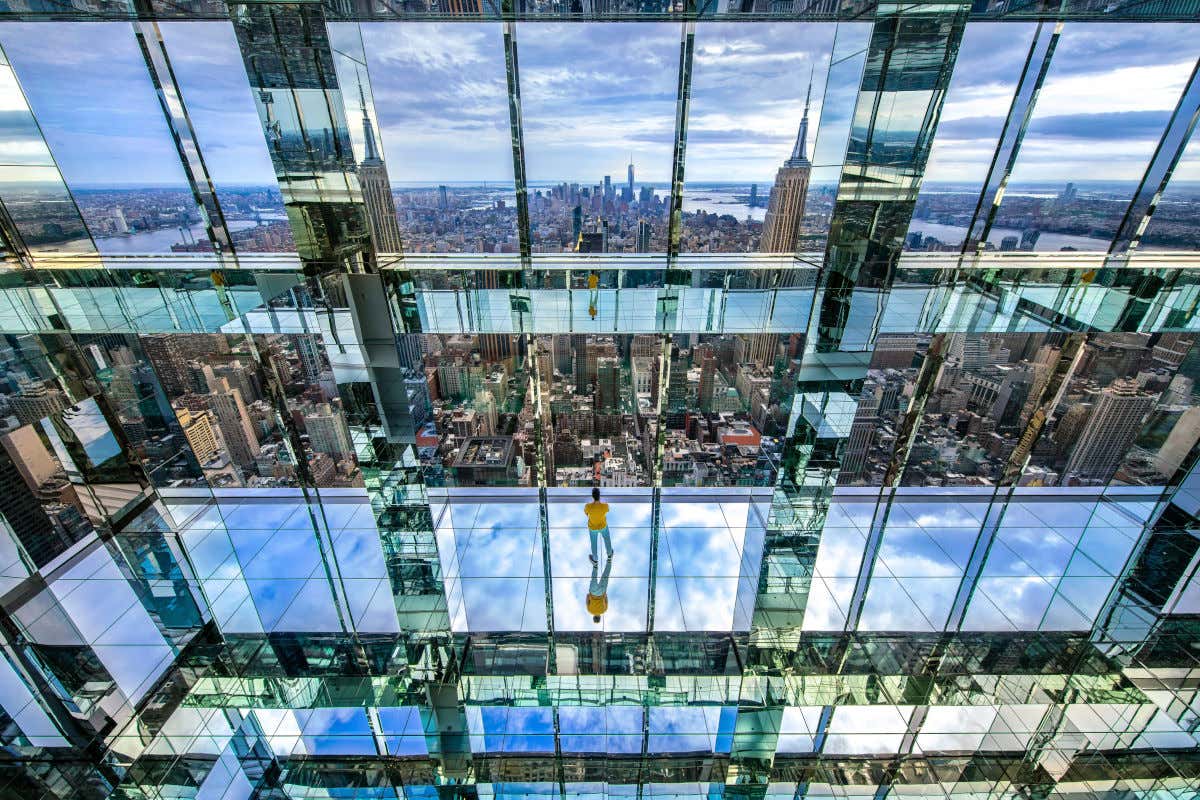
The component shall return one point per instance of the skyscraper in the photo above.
(377, 190)
(1114, 425)
(608, 384)
(785, 208)
(237, 430)
(327, 431)
(708, 374)
(643, 236)
(629, 196)
(34, 401)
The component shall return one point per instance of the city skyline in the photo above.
(1074, 125)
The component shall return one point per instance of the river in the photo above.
(160, 241)
(953, 234)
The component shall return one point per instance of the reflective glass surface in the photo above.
(744, 400)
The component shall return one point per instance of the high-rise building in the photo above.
(237, 429)
(643, 236)
(608, 384)
(785, 206)
(1114, 425)
(198, 429)
(35, 400)
(495, 347)
(312, 362)
(377, 190)
(327, 432)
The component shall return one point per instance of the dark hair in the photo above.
(596, 493)
(596, 618)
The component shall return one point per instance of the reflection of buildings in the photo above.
(237, 430)
(992, 389)
(377, 191)
(327, 431)
(785, 208)
(485, 461)
(198, 429)
(36, 498)
(35, 401)
(1113, 426)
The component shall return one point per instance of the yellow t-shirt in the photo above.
(593, 281)
(597, 514)
(597, 604)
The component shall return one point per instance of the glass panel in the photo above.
(442, 100)
(212, 79)
(1170, 433)
(887, 393)
(1121, 404)
(598, 142)
(985, 396)
(748, 112)
(103, 122)
(1174, 224)
(986, 72)
(1106, 101)
(33, 191)
(833, 134)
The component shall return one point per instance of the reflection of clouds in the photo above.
(510, 729)
(981, 91)
(840, 552)
(1028, 551)
(1016, 603)
(955, 728)
(208, 66)
(91, 92)
(87, 422)
(907, 605)
(281, 728)
(502, 604)
(442, 99)
(1138, 72)
(583, 123)
(828, 599)
(1098, 72)
(748, 90)
(626, 605)
(684, 729)
(910, 553)
(706, 603)
(612, 729)
(867, 729)
(338, 731)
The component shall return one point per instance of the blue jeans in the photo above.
(607, 541)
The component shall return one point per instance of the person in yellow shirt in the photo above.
(597, 516)
(597, 599)
(593, 293)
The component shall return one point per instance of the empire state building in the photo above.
(785, 209)
(377, 190)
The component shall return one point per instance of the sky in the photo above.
(592, 96)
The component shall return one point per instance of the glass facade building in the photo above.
(875, 324)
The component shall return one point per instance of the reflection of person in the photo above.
(597, 514)
(593, 293)
(597, 599)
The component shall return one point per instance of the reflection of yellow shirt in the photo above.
(597, 514)
(593, 281)
(597, 604)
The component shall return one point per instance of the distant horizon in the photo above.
(507, 184)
